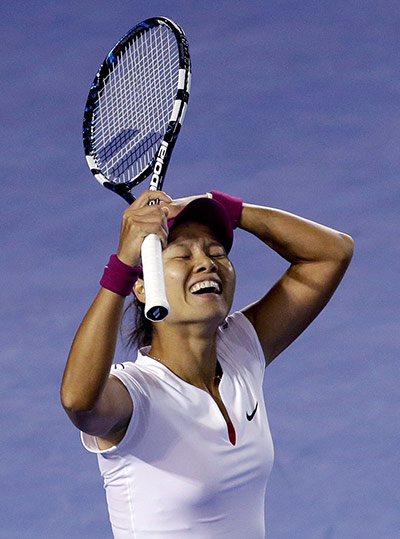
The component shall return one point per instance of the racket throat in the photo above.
(160, 166)
(122, 189)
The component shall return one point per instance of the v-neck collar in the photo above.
(145, 359)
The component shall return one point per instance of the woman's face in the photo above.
(199, 277)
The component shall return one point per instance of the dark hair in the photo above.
(138, 330)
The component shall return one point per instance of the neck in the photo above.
(190, 354)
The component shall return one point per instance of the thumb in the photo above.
(166, 211)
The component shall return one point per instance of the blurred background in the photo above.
(294, 105)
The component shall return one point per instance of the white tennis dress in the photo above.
(176, 474)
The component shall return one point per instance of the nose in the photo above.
(203, 262)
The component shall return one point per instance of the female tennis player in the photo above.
(182, 434)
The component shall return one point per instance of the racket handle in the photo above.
(156, 307)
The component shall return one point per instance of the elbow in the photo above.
(339, 250)
(75, 404)
(346, 248)
(79, 412)
(77, 394)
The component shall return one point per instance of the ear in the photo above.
(138, 290)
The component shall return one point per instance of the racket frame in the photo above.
(156, 307)
(157, 167)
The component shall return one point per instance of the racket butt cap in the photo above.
(157, 314)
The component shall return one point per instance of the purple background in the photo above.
(295, 104)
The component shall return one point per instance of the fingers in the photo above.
(147, 196)
(178, 204)
(138, 221)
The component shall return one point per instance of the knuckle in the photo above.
(127, 216)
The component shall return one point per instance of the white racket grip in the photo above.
(156, 307)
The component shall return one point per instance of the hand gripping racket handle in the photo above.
(156, 307)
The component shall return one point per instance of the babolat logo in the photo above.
(159, 164)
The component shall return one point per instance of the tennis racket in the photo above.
(133, 115)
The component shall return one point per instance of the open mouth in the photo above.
(206, 287)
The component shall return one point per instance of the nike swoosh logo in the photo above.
(253, 413)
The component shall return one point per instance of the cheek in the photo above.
(232, 271)
(174, 274)
(230, 277)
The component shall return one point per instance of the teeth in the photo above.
(205, 284)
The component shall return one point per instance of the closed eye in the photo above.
(218, 254)
(180, 253)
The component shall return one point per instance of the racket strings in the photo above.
(136, 104)
(151, 117)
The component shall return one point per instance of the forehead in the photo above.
(190, 230)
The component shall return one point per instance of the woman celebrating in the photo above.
(182, 434)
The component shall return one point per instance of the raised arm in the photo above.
(318, 258)
(97, 403)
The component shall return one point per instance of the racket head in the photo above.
(136, 106)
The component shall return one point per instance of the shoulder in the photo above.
(238, 339)
(237, 327)
(136, 383)
(134, 375)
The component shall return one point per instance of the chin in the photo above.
(217, 315)
(199, 315)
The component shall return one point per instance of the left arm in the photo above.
(318, 257)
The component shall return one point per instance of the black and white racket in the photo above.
(133, 115)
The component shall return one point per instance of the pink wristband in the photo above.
(233, 205)
(119, 277)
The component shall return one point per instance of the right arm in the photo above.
(97, 403)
